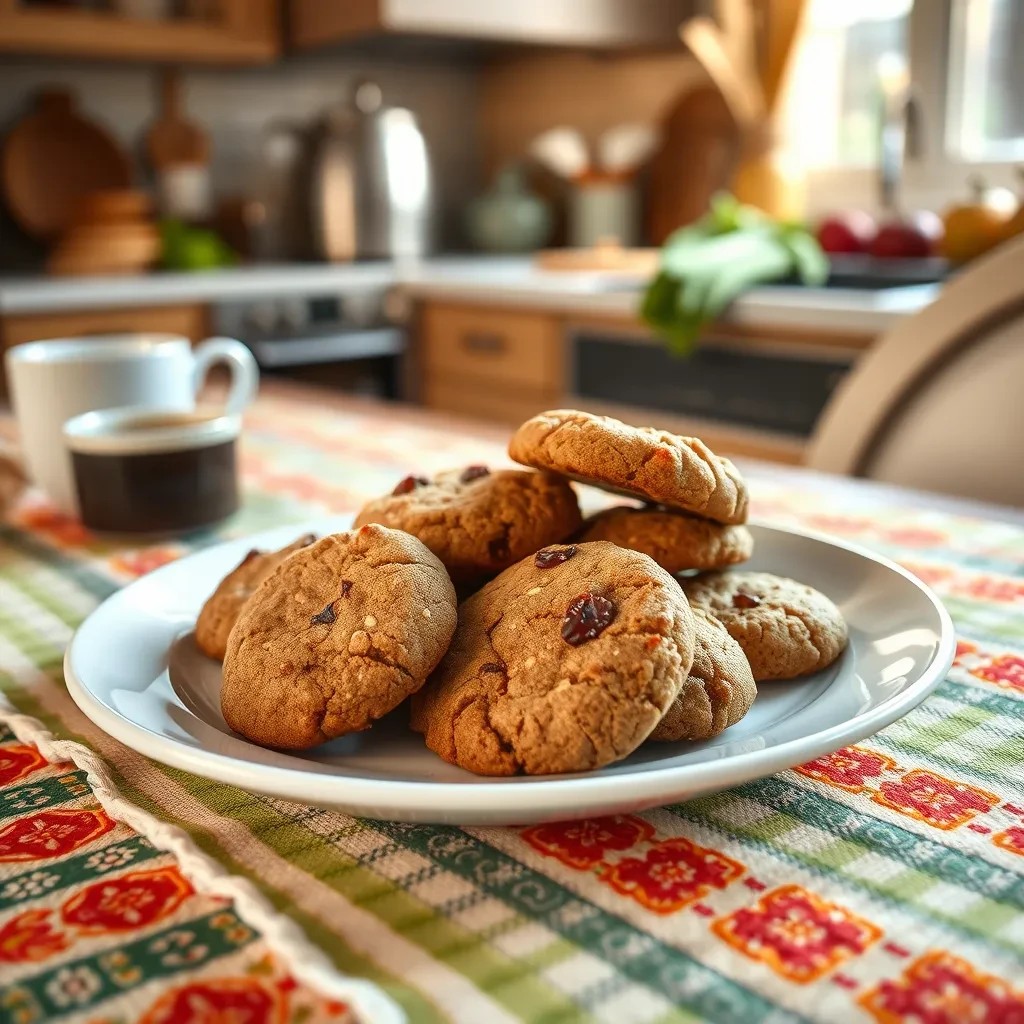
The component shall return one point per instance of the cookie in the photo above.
(222, 608)
(786, 629)
(675, 540)
(341, 633)
(565, 662)
(661, 468)
(479, 522)
(719, 690)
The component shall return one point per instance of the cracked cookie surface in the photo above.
(675, 540)
(719, 690)
(565, 662)
(478, 521)
(659, 467)
(222, 608)
(339, 635)
(786, 629)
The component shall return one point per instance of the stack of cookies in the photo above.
(574, 642)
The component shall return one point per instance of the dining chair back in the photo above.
(938, 403)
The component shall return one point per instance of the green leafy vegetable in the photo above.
(706, 265)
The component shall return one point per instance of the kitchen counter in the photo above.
(494, 281)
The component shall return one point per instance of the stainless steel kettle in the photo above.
(371, 190)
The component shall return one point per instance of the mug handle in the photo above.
(245, 373)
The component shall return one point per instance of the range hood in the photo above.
(590, 24)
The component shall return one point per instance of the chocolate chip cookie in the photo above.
(659, 467)
(719, 690)
(677, 541)
(476, 521)
(341, 633)
(786, 629)
(222, 608)
(565, 662)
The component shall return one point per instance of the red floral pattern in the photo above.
(138, 563)
(933, 575)
(1006, 671)
(940, 988)
(583, 844)
(849, 768)
(219, 1001)
(992, 588)
(48, 834)
(934, 799)
(915, 537)
(17, 761)
(963, 649)
(1011, 839)
(30, 937)
(672, 874)
(127, 903)
(799, 935)
(65, 529)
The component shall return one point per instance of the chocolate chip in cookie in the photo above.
(479, 521)
(222, 608)
(559, 665)
(654, 465)
(340, 634)
(786, 629)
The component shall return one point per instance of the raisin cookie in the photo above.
(566, 662)
(222, 608)
(719, 690)
(786, 629)
(340, 634)
(661, 468)
(479, 522)
(675, 540)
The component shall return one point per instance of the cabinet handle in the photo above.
(483, 342)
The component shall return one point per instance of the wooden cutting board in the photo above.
(51, 159)
(172, 139)
(700, 150)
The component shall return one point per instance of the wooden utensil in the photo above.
(782, 28)
(51, 159)
(740, 90)
(172, 140)
(701, 147)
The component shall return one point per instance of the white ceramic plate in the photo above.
(133, 668)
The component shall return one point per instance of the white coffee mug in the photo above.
(51, 381)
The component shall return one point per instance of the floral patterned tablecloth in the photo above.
(882, 883)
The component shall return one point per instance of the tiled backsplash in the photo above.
(235, 106)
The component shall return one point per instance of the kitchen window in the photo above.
(960, 60)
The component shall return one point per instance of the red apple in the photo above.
(916, 236)
(847, 232)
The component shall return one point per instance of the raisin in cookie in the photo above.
(566, 662)
(662, 468)
(222, 608)
(479, 522)
(677, 541)
(786, 629)
(340, 634)
(719, 690)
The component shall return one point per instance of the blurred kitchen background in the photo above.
(463, 205)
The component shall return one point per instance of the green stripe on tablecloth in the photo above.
(38, 880)
(637, 954)
(981, 621)
(49, 792)
(189, 946)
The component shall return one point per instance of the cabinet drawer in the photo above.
(486, 399)
(513, 348)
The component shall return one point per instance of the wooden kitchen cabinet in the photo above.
(496, 364)
(190, 321)
(218, 32)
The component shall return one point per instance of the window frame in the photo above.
(934, 175)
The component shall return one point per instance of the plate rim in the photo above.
(520, 803)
